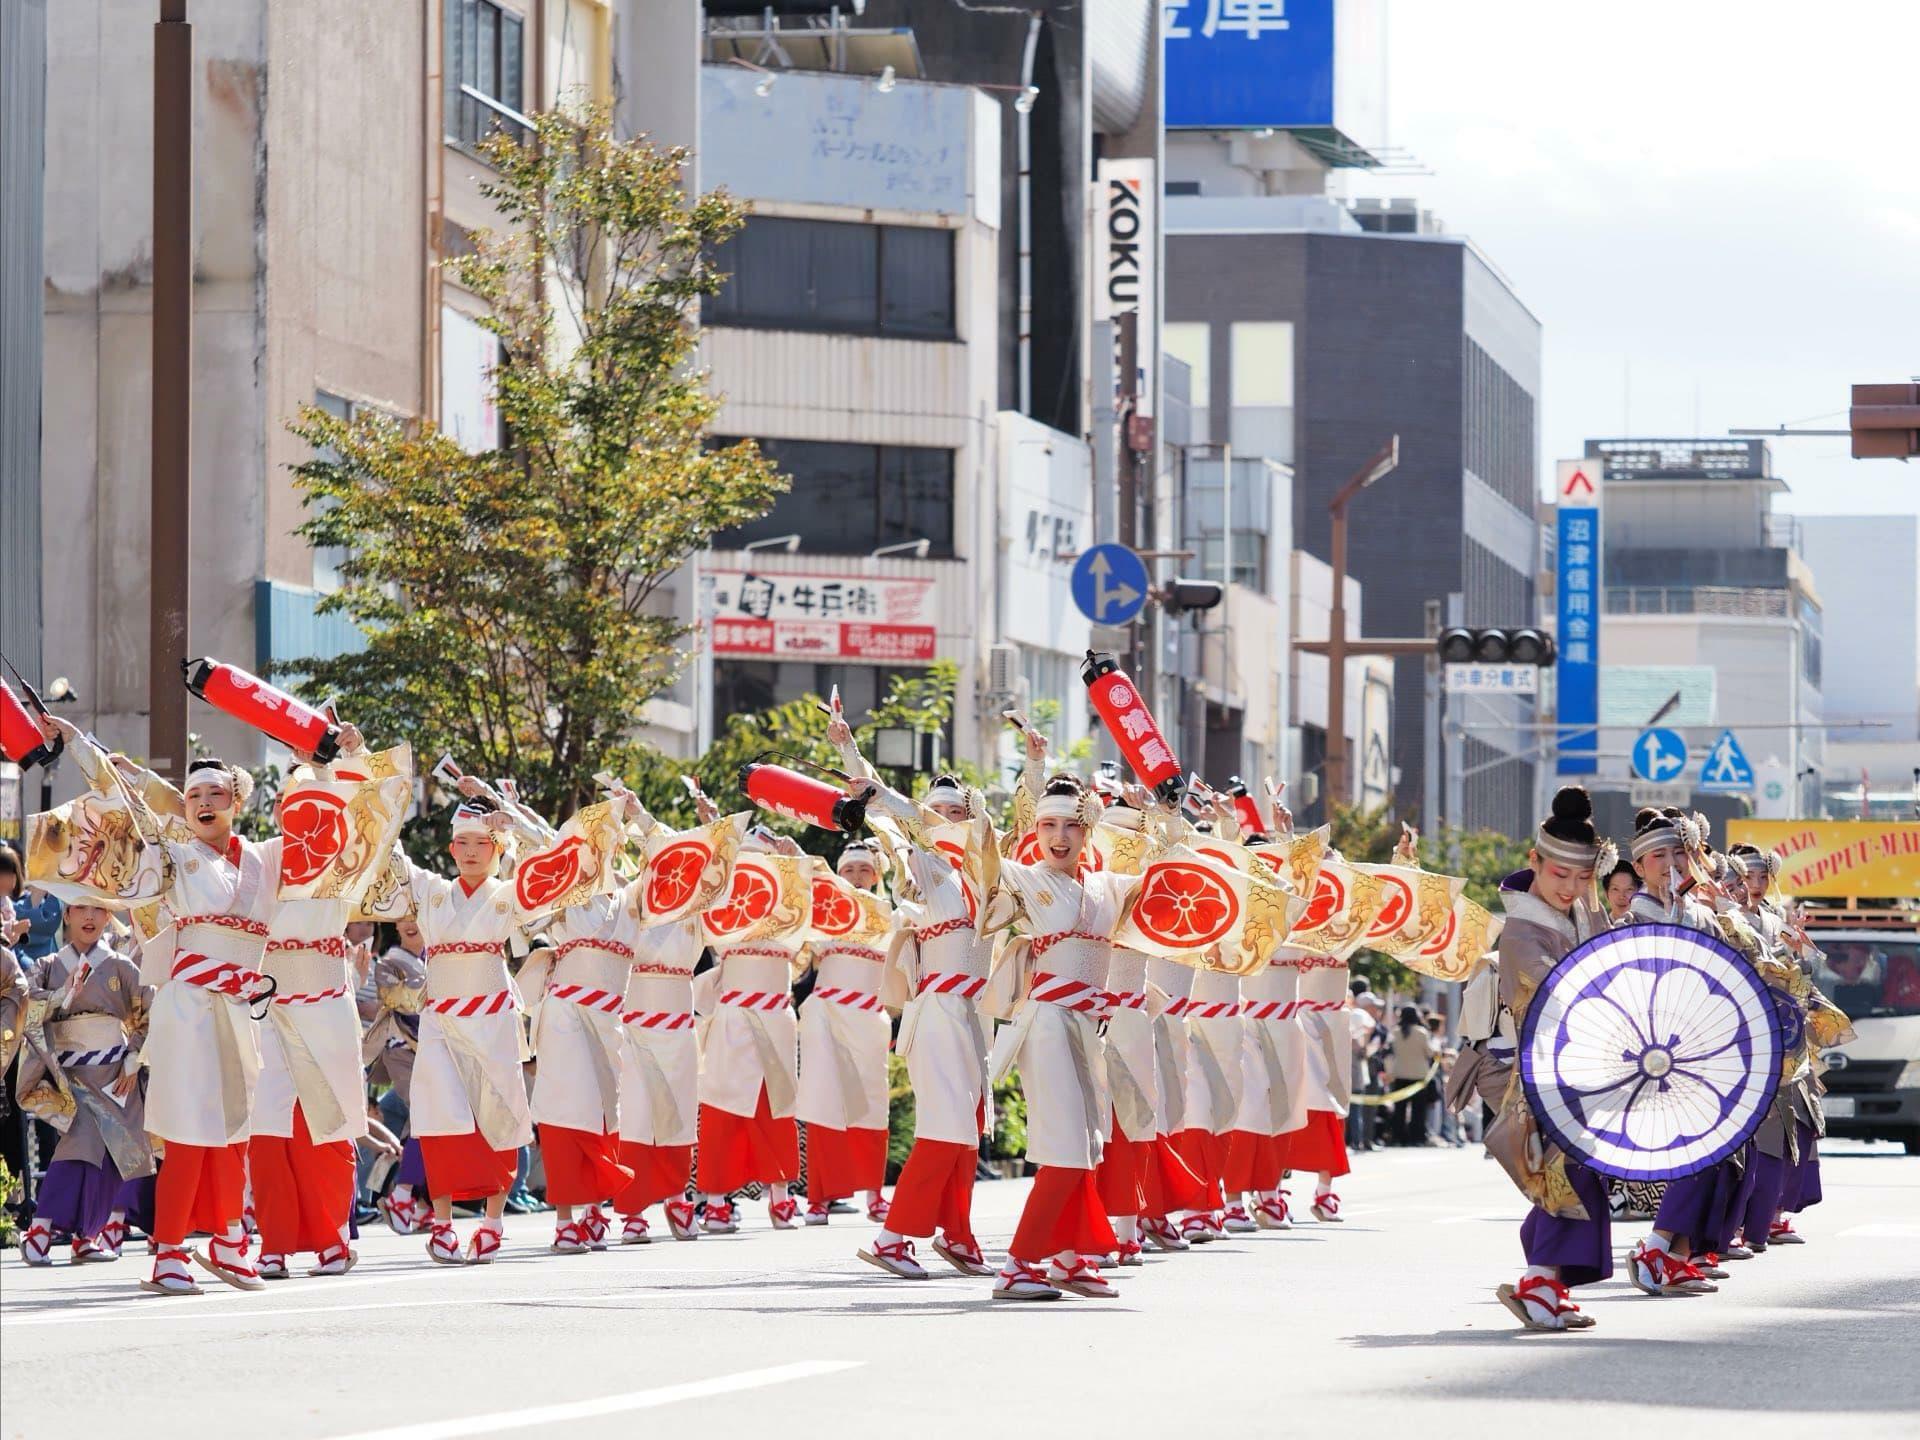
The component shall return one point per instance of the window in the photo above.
(893, 280)
(1262, 364)
(484, 53)
(852, 499)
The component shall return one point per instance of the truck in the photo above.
(1859, 885)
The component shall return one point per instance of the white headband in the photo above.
(1058, 807)
(860, 854)
(1655, 837)
(472, 820)
(1567, 852)
(945, 793)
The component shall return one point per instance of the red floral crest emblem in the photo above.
(1395, 906)
(750, 900)
(313, 830)
(674, 876)
(834, 911)
(542, 879)
(1329, 899)
(1186, 906)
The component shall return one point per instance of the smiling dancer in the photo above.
(203, 1050)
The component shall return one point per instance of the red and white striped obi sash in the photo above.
(592, 974)
(218, 952)
(475, 1003)
(1075, 977)
(1177, 1007)
(849, 975)
(1215, 996)
(952, 982)
(950, 950)
(756, 977)
(657, 1019)
(1126, 979)
(307, 971)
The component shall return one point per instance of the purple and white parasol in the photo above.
(1651, 1052)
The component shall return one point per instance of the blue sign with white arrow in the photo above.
(1110, 584)
(1659, 755)
(1726, 766)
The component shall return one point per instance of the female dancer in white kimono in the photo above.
(844, 1035)
(943, 963)
(1060, 975)
(469, 1099)
(203, 1051)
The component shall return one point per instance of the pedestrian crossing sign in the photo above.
(1726, 766)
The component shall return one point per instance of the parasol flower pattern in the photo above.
(1655, 1056)
(751, 900)
(675, 875)
(834, 911)
(313, 830)
(1185, 905)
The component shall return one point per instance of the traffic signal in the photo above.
(1520, 645)
(1180, 596)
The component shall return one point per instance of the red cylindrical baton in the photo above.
(20, 736)
(267, 708)
(1245, 809)
(1123, 710)
(801, 797)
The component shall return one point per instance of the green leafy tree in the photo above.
(512, 599)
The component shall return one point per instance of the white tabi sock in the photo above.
(887, 1237)
(1126, 1228)
(713, 1199)
(1654, 1242)
(776, 1191)
(403, 1193)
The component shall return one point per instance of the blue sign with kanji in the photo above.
(1577, 674)
(1234, 64)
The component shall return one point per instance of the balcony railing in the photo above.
(1748, 604)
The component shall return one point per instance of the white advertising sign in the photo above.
(1125, 275)
(822, 617)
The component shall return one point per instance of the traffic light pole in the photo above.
(1338, 647)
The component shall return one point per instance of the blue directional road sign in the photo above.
(1659, 755)
(1110, 584)
(1726, 767)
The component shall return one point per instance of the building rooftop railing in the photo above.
(1698, 600)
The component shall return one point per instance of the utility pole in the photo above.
(1337, 647)
(172, 423)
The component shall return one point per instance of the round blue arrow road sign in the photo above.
(1110, 584)
(1659, 755)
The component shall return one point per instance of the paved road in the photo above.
(1383, 1324)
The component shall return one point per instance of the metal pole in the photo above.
(1336, 765)
(1456, 740)
(172, 422)
(1430, 741)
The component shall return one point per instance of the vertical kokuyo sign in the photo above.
(1125, 277)
(1577, 554)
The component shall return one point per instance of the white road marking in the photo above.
(215, 1292)
(607, 1404)
(1886, 1230)
(677, 1293)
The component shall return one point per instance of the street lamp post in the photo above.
(172, 419)
(1382, 463)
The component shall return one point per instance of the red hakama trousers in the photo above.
(841, 1163)
(1063, 1212)
(935, 1189)
(1206, 1155)
(660, 1172)
(736, 1150)
(1169, 1182)
(465, 1167)
(581, 1168)
(302, 1192)
(1120, 1174)
(1321, 1146)
(199, 1187)
(1254, 1162)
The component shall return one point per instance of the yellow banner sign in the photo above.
(1867, 859)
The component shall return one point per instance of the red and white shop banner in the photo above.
(823, 617)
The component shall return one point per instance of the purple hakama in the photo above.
(1581, 1249)
(78, 1198)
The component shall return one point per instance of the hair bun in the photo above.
(1571, 803)
(1646, 815)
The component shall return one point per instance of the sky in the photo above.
(1713, 207)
